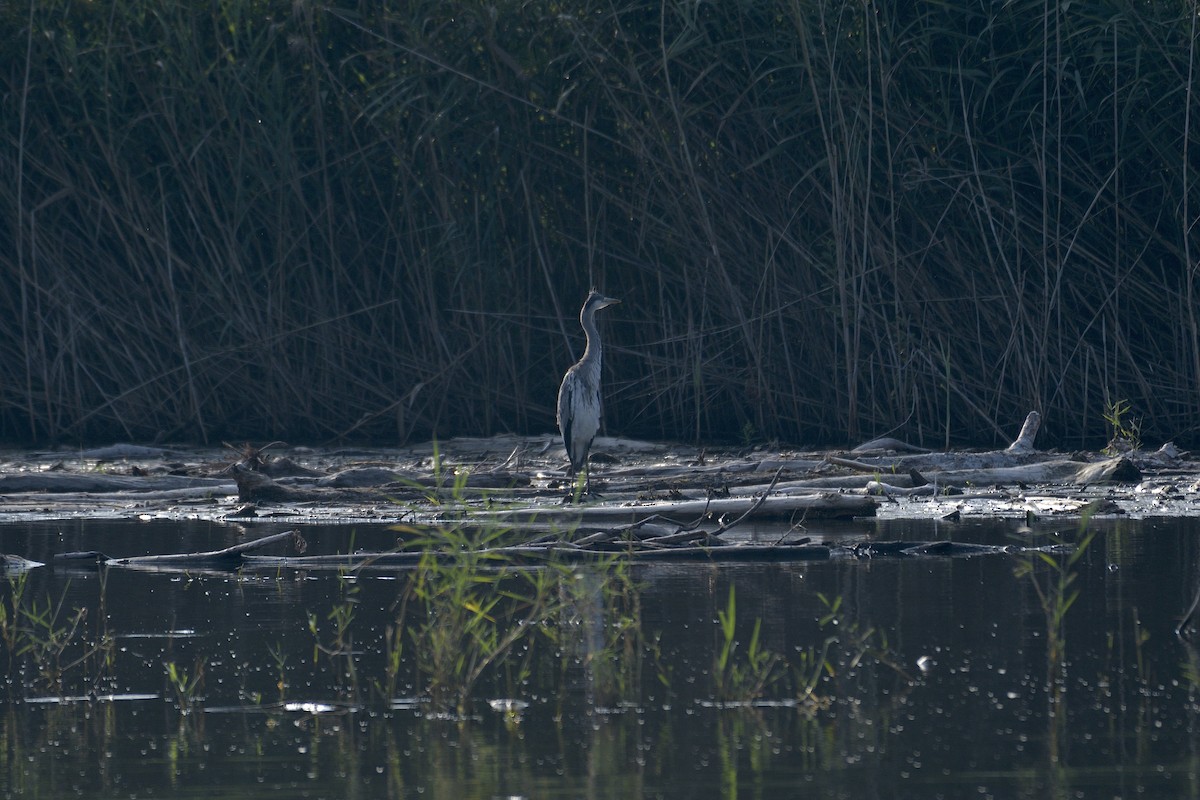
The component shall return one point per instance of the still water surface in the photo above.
(944, 681)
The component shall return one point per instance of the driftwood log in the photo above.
(12, 565)
(827, 505)
(227, 558)
(1057, 471)
(101, 483)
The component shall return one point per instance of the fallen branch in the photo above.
(226, 558)
(859, 466)
(824, 505)
(762, 498)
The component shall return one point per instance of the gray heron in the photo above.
(579, 395)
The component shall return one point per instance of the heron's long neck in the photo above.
(591, 354)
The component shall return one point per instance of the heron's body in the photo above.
(579, 409)
(579, 396)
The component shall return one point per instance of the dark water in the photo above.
(996, 714)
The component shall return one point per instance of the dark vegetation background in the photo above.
(377, 221)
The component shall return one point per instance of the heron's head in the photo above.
(596, 301)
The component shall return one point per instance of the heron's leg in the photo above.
(575, 484)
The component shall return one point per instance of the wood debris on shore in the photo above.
(654, 502)
(521, 481)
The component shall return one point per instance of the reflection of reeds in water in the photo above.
(464, 611)
(1052, 576)
(338, 644)
(386, 237)
(600, 630)
(745, 671)
(42, 633)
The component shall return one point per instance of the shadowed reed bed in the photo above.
(374, 222)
